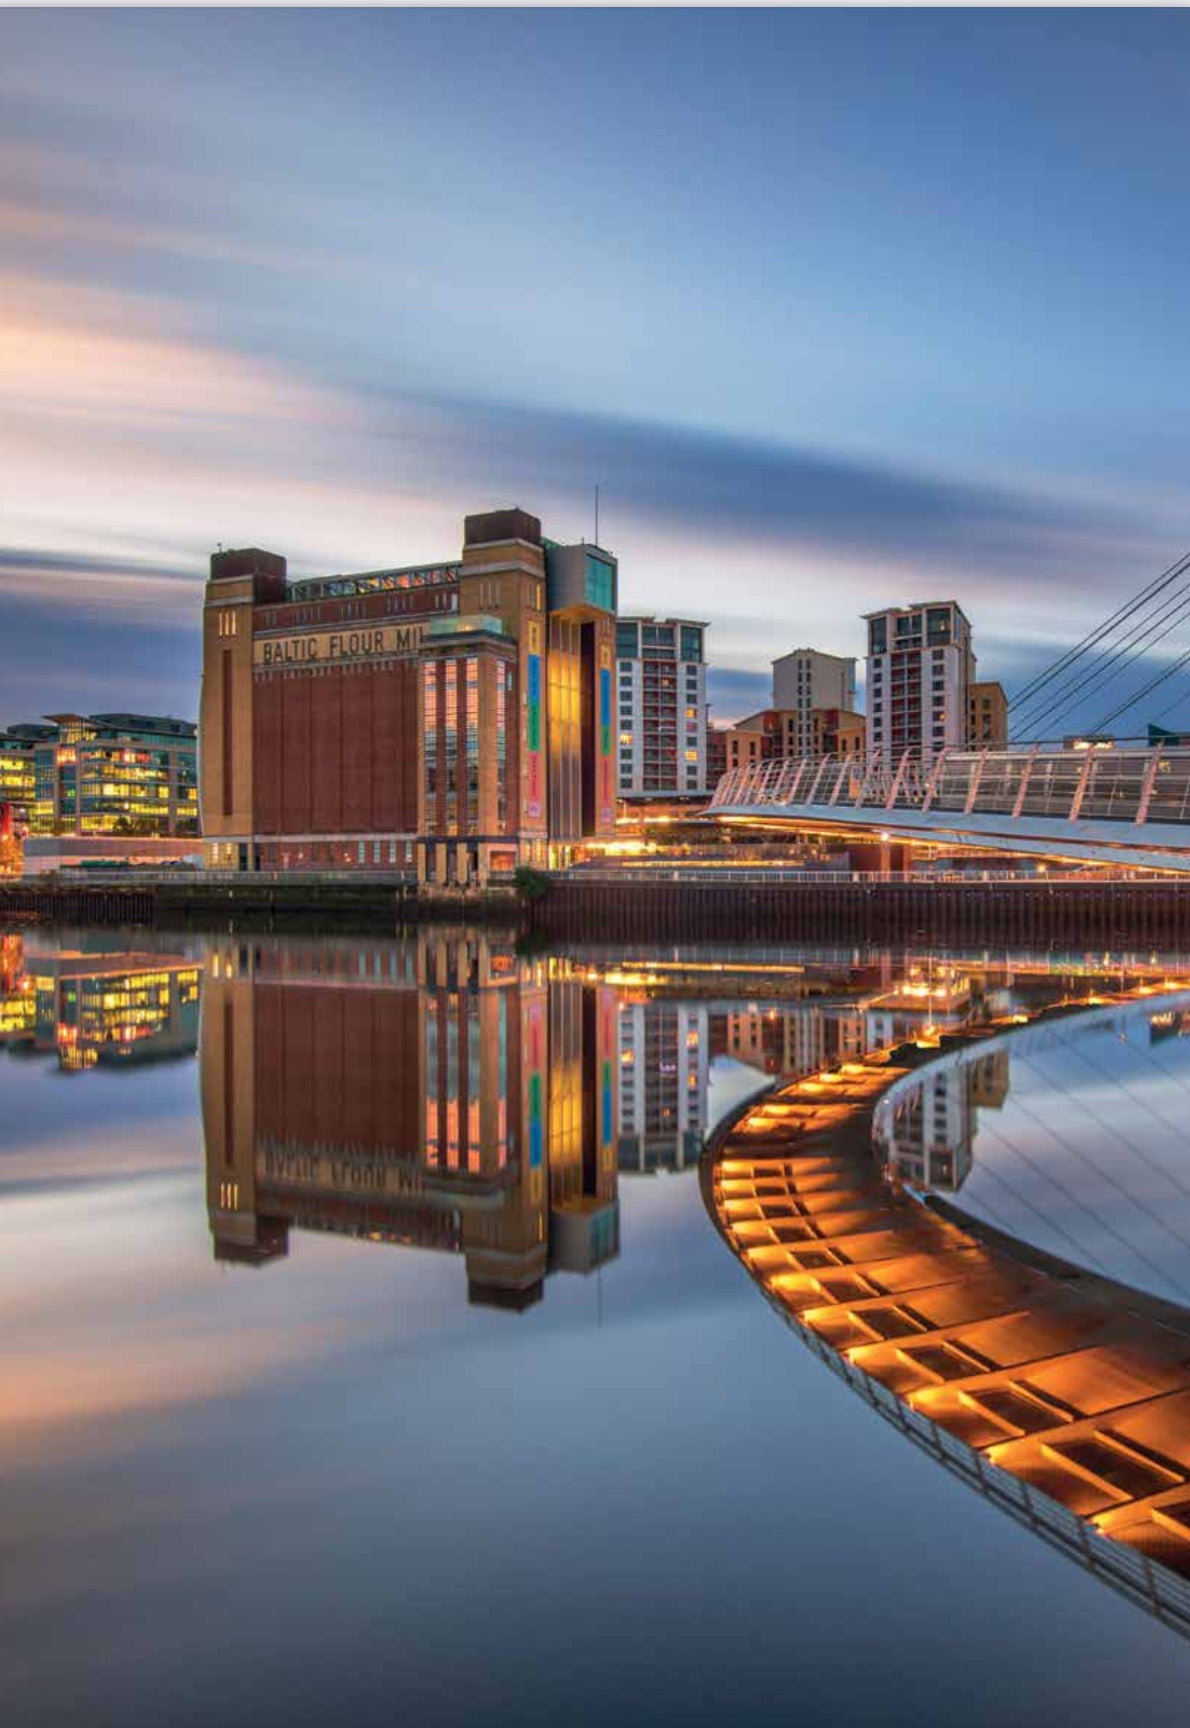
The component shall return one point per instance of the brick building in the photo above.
(453, 720)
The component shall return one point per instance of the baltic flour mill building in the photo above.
(455, 719)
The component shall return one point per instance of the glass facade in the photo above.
(104, 774)
(601, 583)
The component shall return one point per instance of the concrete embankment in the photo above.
(1073, 915)
(197, 903)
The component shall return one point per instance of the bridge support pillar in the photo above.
(878, 857)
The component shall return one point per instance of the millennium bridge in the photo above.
(1127, 806)
(1063, 1397)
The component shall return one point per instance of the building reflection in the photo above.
(114, 1008)
(668, 1049)
(664, 1069)
(437, 1094)
(931, 1136)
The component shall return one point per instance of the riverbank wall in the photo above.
(1075, 916)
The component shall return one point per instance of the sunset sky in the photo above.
(840, 310)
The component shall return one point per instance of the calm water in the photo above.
(368, 1351)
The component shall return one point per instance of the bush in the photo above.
(530, 884)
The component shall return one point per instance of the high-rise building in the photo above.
(662, 707)
(920, 669)
(803, 680)
(116, 774)
(987, 714)
(455, 719)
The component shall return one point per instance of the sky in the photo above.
(840, 310)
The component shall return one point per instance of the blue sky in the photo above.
(841, 309)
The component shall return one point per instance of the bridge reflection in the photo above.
(1060, 1395)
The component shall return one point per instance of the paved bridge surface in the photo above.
(1124, 806)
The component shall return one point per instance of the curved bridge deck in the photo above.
(1124, 806)
(1062, 1397)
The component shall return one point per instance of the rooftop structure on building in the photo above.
(454, 719)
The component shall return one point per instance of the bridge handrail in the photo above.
(1120, 784)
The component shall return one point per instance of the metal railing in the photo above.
(1127, 784)
(746, 877)
(1162, 1592)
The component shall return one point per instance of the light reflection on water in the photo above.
(366, 1348)
(1072, 1136)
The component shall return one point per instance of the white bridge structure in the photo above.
(1123, 805)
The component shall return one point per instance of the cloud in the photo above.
(733, 694)
(699, 482)
(135, 437)
(89, 584)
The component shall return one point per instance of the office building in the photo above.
(455, 720)
(920, 670)
(803, 680)
(987, 715)
(102, 774)
(661, 683)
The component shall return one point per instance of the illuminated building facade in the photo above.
(108, 1008)
(662, 707)
(441, 1094)
(454, 720)
(18, 773)
(114, 774)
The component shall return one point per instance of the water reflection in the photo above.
(1061, 1393)
(86, 1007)
(1084, 1152)
(442, 1096)
(185, 1428)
